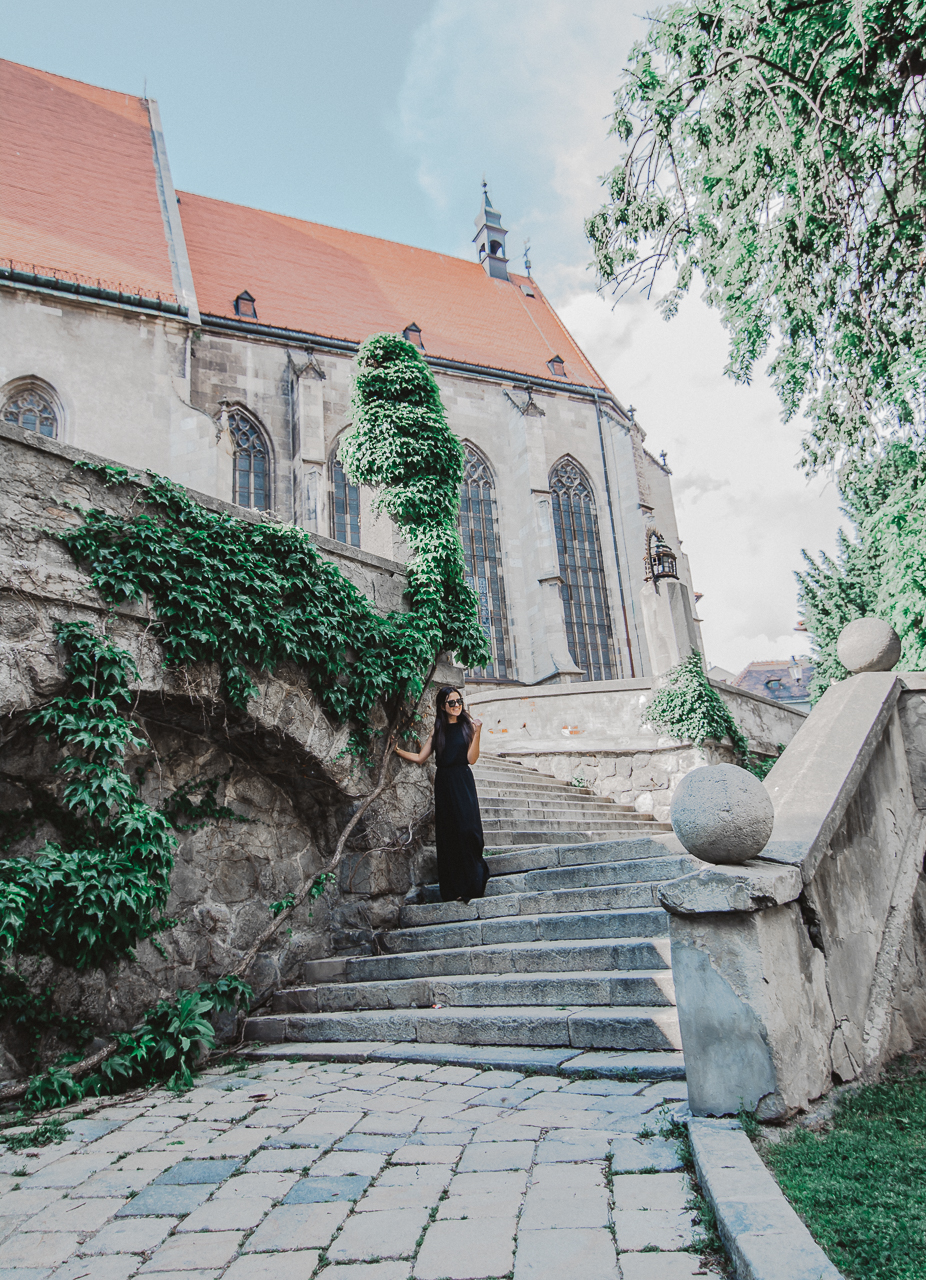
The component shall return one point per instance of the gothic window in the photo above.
(30, 405)
(584, 592)
(252, 462)
(345, 503)
(483, 556)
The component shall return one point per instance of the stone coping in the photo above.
(638, 685)
(31, 440)
(763, 1235)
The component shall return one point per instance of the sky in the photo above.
(383, 116)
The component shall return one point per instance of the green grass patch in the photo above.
(860, 1185)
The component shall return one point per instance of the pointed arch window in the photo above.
(483, 556)
(32, 405)
(252, 462)
(584, 591)
(345, 503)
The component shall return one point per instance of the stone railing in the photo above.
(592, 732)
(806, 965)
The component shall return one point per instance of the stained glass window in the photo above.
(345, 504)
(584, 592)
(483, 556)
(252, 462)
(31, 408)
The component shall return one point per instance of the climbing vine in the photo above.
(247, 596)
(687, 706)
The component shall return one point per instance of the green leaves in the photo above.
(90, 902)
(780, 153)
(688, 707)
(402, 446)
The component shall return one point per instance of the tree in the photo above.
(778, 149)
(881, 570)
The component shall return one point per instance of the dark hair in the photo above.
(440, 720)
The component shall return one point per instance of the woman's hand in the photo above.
(477, 724)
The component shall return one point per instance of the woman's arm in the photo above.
(418, 757)
(472, 754)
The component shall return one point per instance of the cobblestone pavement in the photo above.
(282, 1171)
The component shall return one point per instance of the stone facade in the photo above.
(281, 765)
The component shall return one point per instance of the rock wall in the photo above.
(281, 765)
(593, 733)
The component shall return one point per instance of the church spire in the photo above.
(490, 239)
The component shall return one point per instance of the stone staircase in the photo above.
(569, 947)
(522, 807)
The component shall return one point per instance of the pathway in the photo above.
(377, 1170)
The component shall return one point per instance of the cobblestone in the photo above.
(399, 1171)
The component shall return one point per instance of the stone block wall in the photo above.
(281, 765)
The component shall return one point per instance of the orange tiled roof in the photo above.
(78, 191)
(340, 284)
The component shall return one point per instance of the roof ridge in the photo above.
(86, 84)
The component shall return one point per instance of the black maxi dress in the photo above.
(462, 871)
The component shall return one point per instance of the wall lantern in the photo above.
(796, 670)
(660, 558)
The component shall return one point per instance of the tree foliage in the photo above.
(880, 570)
(778, 149)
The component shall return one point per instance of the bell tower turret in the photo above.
(490, 239)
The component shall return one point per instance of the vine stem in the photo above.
(78, 1069)
(382, 782)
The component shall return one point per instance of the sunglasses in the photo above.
(454, 702)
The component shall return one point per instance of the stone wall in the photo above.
(807, 966)
(594, 733)
(280, 763)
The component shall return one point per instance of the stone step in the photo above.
(571, 1063)
(642, 988)
(542, 836)
(524, 905)
(642, 922)
(610, 886)
(591, 875)
(622, 954)
(519, 807)
(628, 1027)
(648, 844)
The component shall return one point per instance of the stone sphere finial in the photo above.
(722, 814)
(868, 644)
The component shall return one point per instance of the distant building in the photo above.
(787, 682)
(216, 344)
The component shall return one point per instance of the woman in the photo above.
(462, 871)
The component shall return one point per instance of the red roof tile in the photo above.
(78, 190)
(340, 284)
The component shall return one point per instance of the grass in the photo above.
(860, 1182)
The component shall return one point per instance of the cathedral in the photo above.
(215, 344)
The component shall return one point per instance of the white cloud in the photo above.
(522, 93)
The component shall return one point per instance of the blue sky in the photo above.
(383, 116)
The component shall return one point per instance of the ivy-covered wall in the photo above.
(256, 797)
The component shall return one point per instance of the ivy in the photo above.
(246, 596)
(89, 902)
(688, 707)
